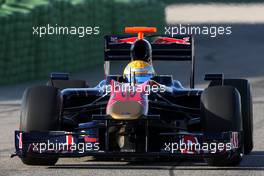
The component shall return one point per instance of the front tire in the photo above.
(40, 111)
(221, 112)
(243, 87)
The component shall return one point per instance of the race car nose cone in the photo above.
(126, 110)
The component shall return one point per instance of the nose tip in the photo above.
(127, 110)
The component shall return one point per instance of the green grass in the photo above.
(26, 57)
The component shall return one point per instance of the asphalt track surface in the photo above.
(239, 55)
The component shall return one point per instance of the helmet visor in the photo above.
(140, 78)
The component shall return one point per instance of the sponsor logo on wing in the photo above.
(235, 140)
(189, 141)
(88, 139)
(129, 40)
(20, 142)
(169, 40)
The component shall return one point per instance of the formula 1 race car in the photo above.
(139, 114)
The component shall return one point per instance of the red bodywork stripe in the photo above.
(90, 139)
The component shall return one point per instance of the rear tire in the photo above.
(40, 111)
(221, 105)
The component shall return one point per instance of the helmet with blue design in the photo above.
(138, 71)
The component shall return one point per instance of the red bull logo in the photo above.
(189, 142)
(169, 40)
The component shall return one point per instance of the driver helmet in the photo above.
(141, 50)
(138, 72)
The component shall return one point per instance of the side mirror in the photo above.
(59, 76)
(218, 77)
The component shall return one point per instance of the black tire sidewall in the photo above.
(40, 110)
(221, 112)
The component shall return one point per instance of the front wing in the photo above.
(71, 144)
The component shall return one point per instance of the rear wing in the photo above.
(164, 48)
